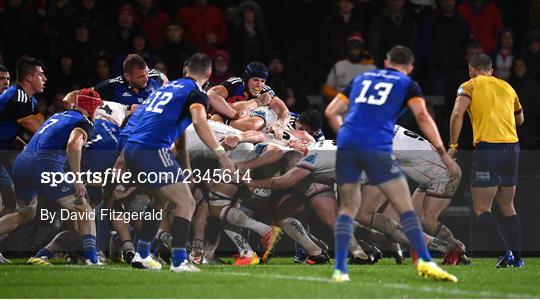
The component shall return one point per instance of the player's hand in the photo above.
(263, 99)
(226, 163)
(80, 190)
(452, 152)
(451, 166)
(277, 130)
(230, 142)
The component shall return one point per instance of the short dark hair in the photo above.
(480, 61)
(26, 65)
(3, 69)
(311, 118)
(198, 64)
(400, 55)
(132, 61)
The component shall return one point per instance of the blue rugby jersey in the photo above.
(118, 90)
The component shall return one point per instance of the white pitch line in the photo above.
(440, 289)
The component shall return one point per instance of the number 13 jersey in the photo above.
(377, 98)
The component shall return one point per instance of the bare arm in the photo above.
(520, 118)
(270, 155)
(181, 149)
(335, 110)
(75, 143)
(456, 119)
(216, 97)
(32, 123)
(281, 109)
(426, 123)
(285, 181)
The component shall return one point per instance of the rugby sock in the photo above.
(512, 225)
(89, 247)
(103, 229)
(148, 232)
(241, 244)
(413, 231)
(44, 252)
(390, 227)
(239, 218)
(296, 231)
(180, 230)
(143, 248)
(489, 224)
(343, 232)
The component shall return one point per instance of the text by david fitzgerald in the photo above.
(103, 214)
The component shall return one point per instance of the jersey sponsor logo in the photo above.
(126, 94)
(311, 158)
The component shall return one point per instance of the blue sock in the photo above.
(413, 231)
(44, 252)
(143, 248)
(343, 232)
(178, 255)
(103, 227)
(89, 247)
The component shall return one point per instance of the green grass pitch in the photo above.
(278, 279)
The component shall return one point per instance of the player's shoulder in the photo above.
(234, 81)
(15, 94)
(118, 80)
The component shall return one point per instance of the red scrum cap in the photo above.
(88, 100)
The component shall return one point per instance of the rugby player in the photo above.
(170, 110)
(365, 144)
(57, 143)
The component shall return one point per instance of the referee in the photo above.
(494, 109)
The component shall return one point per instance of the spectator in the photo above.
(444, 39)
(204, 25)
(282, 84)
(176, 50)
(221, 62)
(484, 18)
(64, 76)
(531, 54)
(249, 40)
(19, 32)
(102, 71)
(58, 23)
(160, 66)
(389, 28)
(117, 40)
(88, 14)
(335, 30)
(152, 21)
(83, 51)
(503, 56)
(535, 15)
(139, 45)
(527, 90)
(358, 61)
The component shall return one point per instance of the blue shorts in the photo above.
(380, 166)
(495, 164)
(122, 139)
(27, 177)
(158, 167)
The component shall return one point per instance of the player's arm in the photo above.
(75, 143)
(182, 153)
(270, 155)
(216, 97)
(285, 181)
(335, 110)
(32, 123)
(250, 136)
(282, 111)
(198, 117)
(417, 105)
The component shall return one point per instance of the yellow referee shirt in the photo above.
(493, 105)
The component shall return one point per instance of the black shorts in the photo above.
(495, 164)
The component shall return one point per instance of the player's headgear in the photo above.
(111, 111)
(88, 100)
(255, 69)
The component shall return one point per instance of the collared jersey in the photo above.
(377, 98)
(493, 106)
(118, 90)
(167, 114)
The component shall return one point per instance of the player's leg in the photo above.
(66, 241)
(511, 221)
(199, 222)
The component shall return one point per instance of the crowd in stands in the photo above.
(310, 47)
